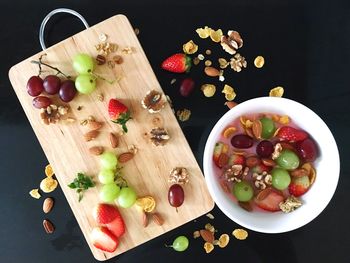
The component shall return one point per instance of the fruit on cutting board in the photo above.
(35, 86)
(127, 197)
(108, 160)
(52, 84)
(104, 239)
(109, 192)
(67, 91)
(177, 63)
(85, 83)
(110, 217)
(176, 195)
(118, 113)
(83, 64)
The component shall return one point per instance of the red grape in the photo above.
(186, 87)
(242, 141)
(67, 90)
(35, 86)
(307, 150)
(41, 102)
(176, 195)
(264, 149)
(52, 84)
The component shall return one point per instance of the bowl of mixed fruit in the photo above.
(271, 164)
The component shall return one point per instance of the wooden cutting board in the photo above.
(68, 153)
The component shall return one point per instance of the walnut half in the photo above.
(153, 101)
(159, 136)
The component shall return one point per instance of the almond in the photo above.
(207, 235)
(48, 226)
(96, 150)
(144, 219)
(252, 161)
(113, 140)
(47, 205)
(268, 162)
(211, 72)
(125, 157)
(157, 219)
(263, 194)
(257, 129)
(94, 125)
(246, 206)
(89, 136)
(299, 172)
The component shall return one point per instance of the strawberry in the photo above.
(271, 201)
(223, 160)
(118, 113)
(260, 168)
(177, 63)
(290, 134)
(109, 216)
(299, 185)
(103, 239)
(236, 159)
(219, 148)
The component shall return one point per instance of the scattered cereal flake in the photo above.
(196, 61)
(147, 203)
(223, 63)
(229, 92)
(259, 61)
(183, 115)
(240, 234)
(216, 35)
(284, 119)
(276, 92)
(209, 227)
(84, 122)
(229, 131)
(48, 184)
(127, 50)
(190, 47)
(208, 247)
(137, 31)
(35, 193)
(203, 32)
(196, 234)
(210, 216)
(48, 170)
(102, 37)
(221, 78)
(290, 204)
(208, 90)
(208, 52)
(172, 81)
(223, 240)
(207, 63)
(275, 117)
(200, 56)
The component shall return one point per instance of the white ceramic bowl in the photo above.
(327, 166)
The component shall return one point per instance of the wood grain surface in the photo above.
(148, 171)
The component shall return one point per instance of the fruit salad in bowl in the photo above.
(271, 164)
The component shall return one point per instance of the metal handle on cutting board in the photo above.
(53, 12)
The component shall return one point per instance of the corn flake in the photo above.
(223, 240)
(147, 203)
(229, 131)
(48, 184)
(216, 35)
(35, 193)
(240, 234)
(203, 32)
(259, 61)
(190, 47)
(276, 92)
(229, 92)
(196, 234)
(284, 119)
(209, 227)
(208, 247)
(48, 170)
(208, 90)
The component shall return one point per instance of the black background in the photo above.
(307, 50)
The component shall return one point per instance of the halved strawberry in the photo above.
(260, 168)
(103, 239)
(223, 160)
(291, 134)
(271, 201)
(109, 216)
(219, 148)
(236, 159)
(299, 185)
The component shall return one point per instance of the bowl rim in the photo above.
(209, 178)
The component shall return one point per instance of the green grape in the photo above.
(127, 197)
(268, 128)
(106, 176)
(280, 178)
(243, 191)
(288, 160)
(109, 192)
(83, 64)
(108, 161)
(180, 243)
(85, 84)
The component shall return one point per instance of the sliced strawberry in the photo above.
(177, 63)
(117, 226)
(103, 239)
(290, 134)
(219, 148)
(236, 159)
(299, 185)
(260, 168)
(223, 160)
(271, 201)
(109, 216)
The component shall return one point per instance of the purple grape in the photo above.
(242, 141)
(67, 91)
(35, 86)
(52, 84)
(176, 195)
(264, 149)
(186, 87)
(41, 102)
